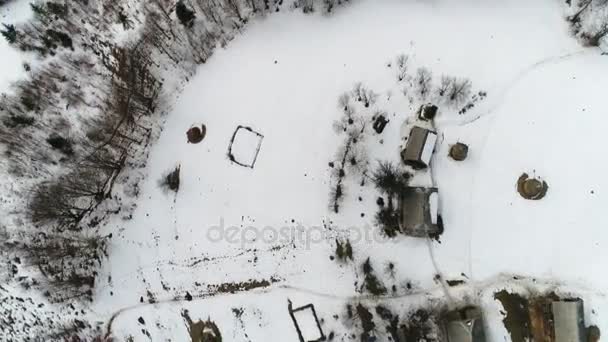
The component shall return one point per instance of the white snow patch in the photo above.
(246, 146)
(11, 60)
(434, 206)
(429, 147)
(307, 324)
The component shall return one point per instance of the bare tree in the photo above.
(423, 82)
(460, 91)
(402, 66)
(445, 85)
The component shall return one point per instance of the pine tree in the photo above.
(9, 33)
(185, 15)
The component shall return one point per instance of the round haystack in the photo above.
(196, 135)
(531, 188)
(459, 151)
(593, 334)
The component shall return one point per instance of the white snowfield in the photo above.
(545, 115)
(11, 60)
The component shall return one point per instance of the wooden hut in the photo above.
(419, 148)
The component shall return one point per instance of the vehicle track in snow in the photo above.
(495, 283)
(499, 99)
(498, 95)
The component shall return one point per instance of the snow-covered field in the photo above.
(282, 77)
(10, 59)
(267, 232)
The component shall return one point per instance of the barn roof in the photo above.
(419, 211)
(419, 148)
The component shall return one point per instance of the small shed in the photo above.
(419, 148)
(419, 211)
(569, 320)
(427, 112)
(464, 325)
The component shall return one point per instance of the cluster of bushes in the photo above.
(371, 283)
(589, 20)
(344, 250)
(420, 86)
(391, 182)
(351, 157)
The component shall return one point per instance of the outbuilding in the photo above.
(419, 148)
(569, 320)
(465, 325)
(419, 212)
(427, 112)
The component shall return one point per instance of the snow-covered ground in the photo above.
(12, 60)
(271, 223)
(282, 77)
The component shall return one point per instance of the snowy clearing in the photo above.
(275, 203)
(234, 224)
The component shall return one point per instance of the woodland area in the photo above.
(82, 121)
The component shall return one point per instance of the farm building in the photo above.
(419, 211)
(419, 148)
(465, 325)
(427, 112)
(569, 321)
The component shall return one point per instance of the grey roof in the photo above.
(412, 154)
(415, 212)
(569, 321)
(465, 325)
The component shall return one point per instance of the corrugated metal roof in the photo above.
(569, 321)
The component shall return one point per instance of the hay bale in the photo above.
(531, 188)
(196, 135)
(459, 151)
(593, 334)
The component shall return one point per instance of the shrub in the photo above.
(19, 120)
(367, 322)
(344, 250)
(371, 282)
(336, 196)
(388, 220)
(423, 82)
(185, 15)
(53, 37)
(389, 179)
(9, 33)
(60, 143)
(171, 180)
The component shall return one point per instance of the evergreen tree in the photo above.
(185, 15)
(9, 33)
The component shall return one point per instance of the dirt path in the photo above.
(465, 290)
